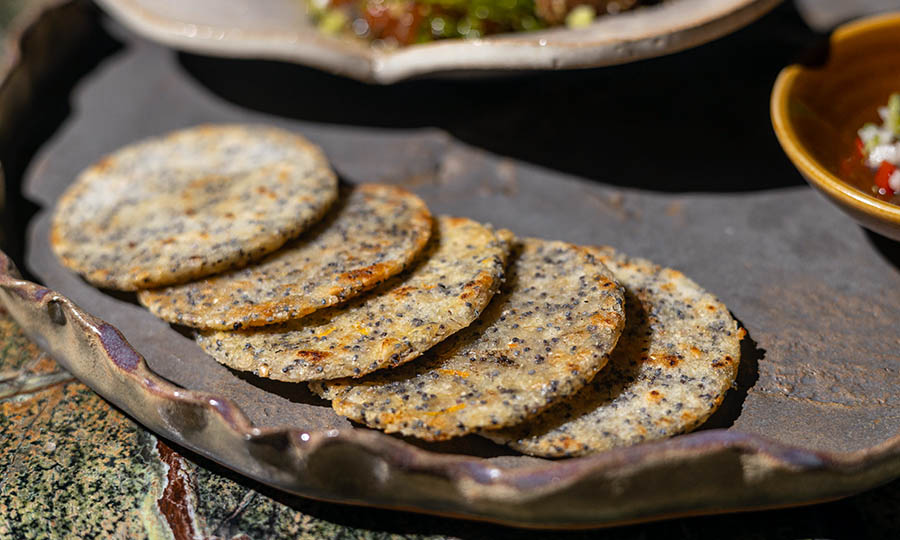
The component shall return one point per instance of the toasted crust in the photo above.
(677, 357)
(544, 336)
(457, 275)
(374, 234)
(189, 204)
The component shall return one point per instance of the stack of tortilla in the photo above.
(428, 326)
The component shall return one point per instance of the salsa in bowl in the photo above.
(878, 148)
(818, 112)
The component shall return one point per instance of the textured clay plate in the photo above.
(279, 29)
(816, 412)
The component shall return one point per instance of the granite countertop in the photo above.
(74, 466)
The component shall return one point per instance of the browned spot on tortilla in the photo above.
(312, 356)
(200, 185)
(263, 190)
(605, 318)
(103, 165)
(99, 274)
(388, 343)
(655, 396)
(55, 237)
(666, 360)
(204, 129)
(566, 443)
(403, 291)
(668, 287)
(695, 351)
(472, 288)
(728, 360)
(190, 212)
(457, 221)
(584, 251)
(168, 240)
(379, 271)
(265, 311)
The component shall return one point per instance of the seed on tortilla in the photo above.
(190, 204)
(448, 287)
(543, 336)
(374, 233)
(677, 357)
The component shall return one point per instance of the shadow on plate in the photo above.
(887, 248)
(293, 392)
(128, 297)
(748, 373)
(48, 108)
(696, 120)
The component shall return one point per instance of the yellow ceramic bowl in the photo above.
(816, 111)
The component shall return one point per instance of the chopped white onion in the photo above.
(894, 181)
(884, 152)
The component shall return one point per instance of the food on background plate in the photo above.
(543, 337)
(878, 146)
(678, 355)
(190, 204)
(374, 232)
(459, 272)
(403, 22)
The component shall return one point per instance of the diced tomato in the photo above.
(402, 25)
(860, 148)
(406, 29)
(377, 17)
(885, 170)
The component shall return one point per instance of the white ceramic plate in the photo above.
(280, 30)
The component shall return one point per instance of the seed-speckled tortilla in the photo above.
(190, 204)
(457, 275)
(677, 357)
(373, 234)
(543, 336)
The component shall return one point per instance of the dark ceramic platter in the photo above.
(816, 413)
